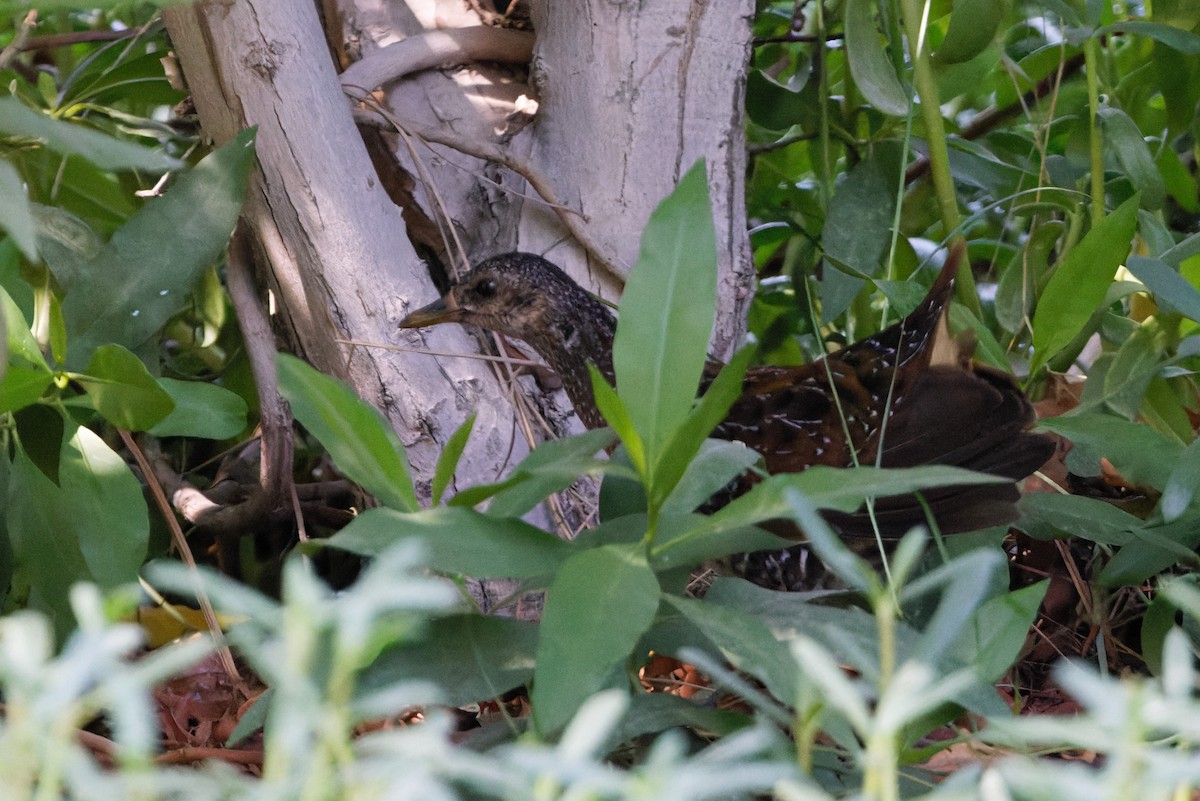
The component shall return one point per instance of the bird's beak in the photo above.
(442, 310)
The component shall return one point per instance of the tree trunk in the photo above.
(627, 97)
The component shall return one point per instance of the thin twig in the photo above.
(571, 220)
(447, 353)
(185, 552)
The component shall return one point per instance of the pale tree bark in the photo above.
(619, 100)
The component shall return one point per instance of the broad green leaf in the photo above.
(121, 389)
(714, 466)
(24, 375)
(973, 25)
(65, 242)
(1139, 453)
(873, 72)
(469, 657)
(686, 440)
(94, 526)
(144, 274)
(1018, 283)
(73, 139)
(551, 467)
(653, 713)
(447, 461)
(22, 386)
(1157, 548)
(827, 488)
(857, 229)
(964, 586)
(773, 106)
(1171, 290)
(201, 410)
(1045, 514)
(362, 444)
(458, 541)
(41, 429)
(612, 584)
(1137, 362)
(19, 338)
(745, 641)
(667, 313)
(15, 216)
(1180, 491)
(1079, 285)
(690, 549)
(1175, 38)
(617, 415)
(1125, 142)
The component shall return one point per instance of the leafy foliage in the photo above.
(1069, 165)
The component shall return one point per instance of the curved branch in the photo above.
(435, 49)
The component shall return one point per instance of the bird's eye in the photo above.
(486, 289)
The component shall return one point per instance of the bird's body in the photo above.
(906, 396)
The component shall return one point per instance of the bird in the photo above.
(907, 396)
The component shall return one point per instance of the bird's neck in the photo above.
(579, 332)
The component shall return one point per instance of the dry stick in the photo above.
(53, 41)
(19, 40)
(275, 468)
(442, 48)
(486, 357)
(185, 551)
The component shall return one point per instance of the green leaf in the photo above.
(1078, 286)
(717, 463)
(667, 314)
(1139, 453)
(1158, 548)
(613, 584)
(65, 242)
(551, 467)
(457, 541)
(772, 106)
(19, 338)
(684, 540)
(22, 386)
(869, 64)
(94, 526)
(469, 658)
(73, 139)
(447, 462)
(24, 375)
(122, 390)
(1171, 290)
(1137, 362)
(1180, 491)
(613, 409)
(15, 215)
(1124, 140)
(40, 428)
(1044, 515)
(857, 229)
(362, 444)
(1175, 38)
(973, 26)
(201, 410)
(686, 440)
(745, 641)
(143, 276)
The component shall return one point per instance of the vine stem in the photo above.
(916, 15)
(1091, 55)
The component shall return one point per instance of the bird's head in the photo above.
(513, 294)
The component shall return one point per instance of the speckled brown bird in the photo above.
(909, 395)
